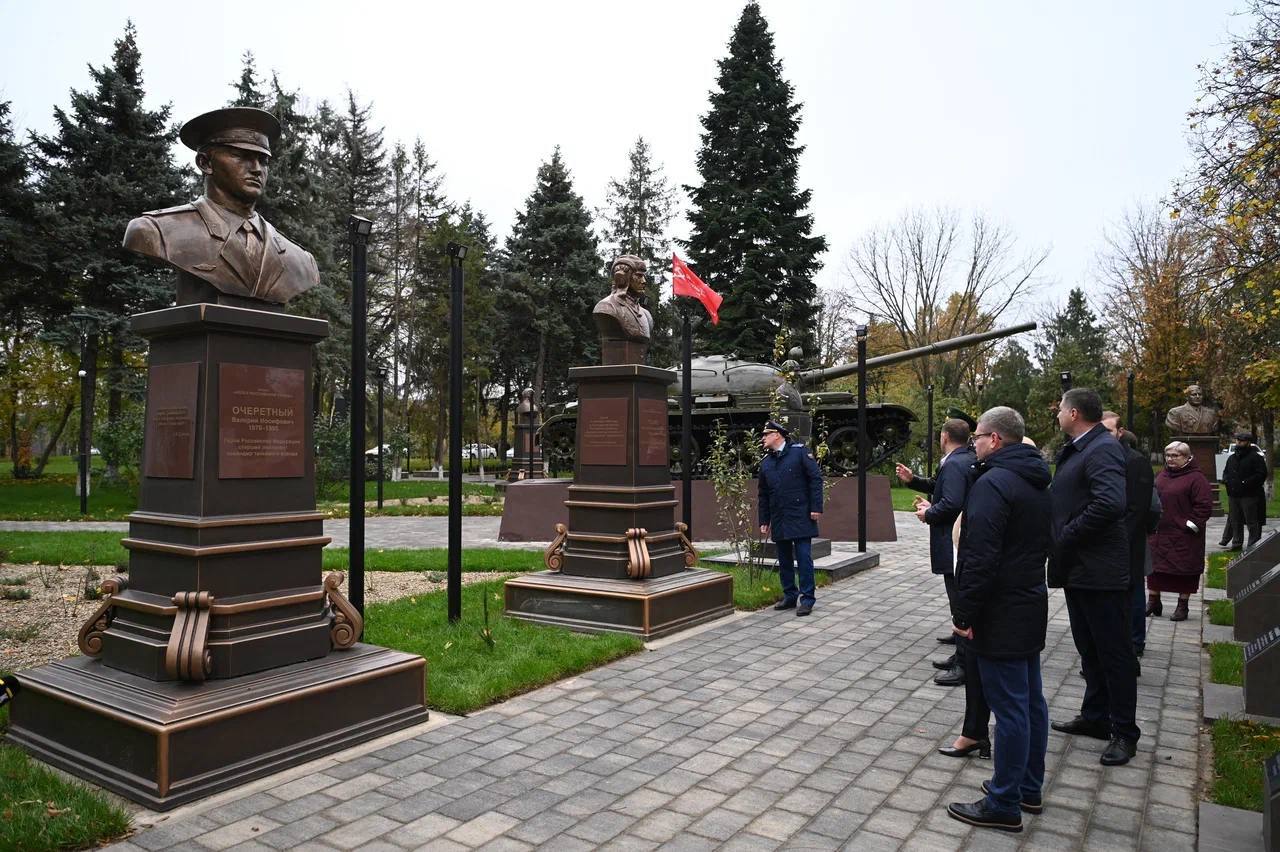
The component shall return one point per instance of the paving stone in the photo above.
(481, 829)
(354, 834)
(422, 830)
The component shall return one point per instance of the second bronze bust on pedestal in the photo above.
(218, 243)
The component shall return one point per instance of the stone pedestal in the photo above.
(1205, 450)
(1262, 674)
(1253, 563)
(224, 613)
(621, 551)
(1257, 607)
(1271, 803)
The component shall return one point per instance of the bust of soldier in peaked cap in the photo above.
(219, 241)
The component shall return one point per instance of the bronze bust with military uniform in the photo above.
(223, 249)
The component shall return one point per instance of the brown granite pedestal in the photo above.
(621, 563)
(1204, 449)
(224, 655)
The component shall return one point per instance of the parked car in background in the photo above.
(479, 451)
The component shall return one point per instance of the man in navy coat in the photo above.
(948, 489)
(790, 505)
(1090, 562)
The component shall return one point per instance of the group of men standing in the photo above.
(1086, 524)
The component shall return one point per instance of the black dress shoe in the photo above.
(982, 747)
(947, 640)
(945, 664)
(982, 816)
(785, 604)
(804, 609)
(1029, 806)
(1118, 752)
(1082, 727)
(953, 676)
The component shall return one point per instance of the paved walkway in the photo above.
(762, 732)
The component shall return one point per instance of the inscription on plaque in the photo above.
(173, 392)
(654, 442)
(1258, 583)
(262, 415)
(602, 430)
(1262, 643)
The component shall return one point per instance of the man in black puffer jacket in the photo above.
(1002, 608)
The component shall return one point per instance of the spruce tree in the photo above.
(638, 210)
(1073, 341)
(248, 88)
(751, 237)
(107, 161)
(558, 275)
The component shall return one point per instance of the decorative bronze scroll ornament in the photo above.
(188, 657)
(348, 623)
(90, 637)
(690, 552)
(553, 556)
(639, 566)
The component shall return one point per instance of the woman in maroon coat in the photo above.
(1177, 545)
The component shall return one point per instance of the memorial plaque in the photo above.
(1262, 643)
(654, 443)
(1262, 675)
(602, 430)
(1257, 584)
(1257, 607)
(1253, 563)
(1271, 804)
(262, 415)
(173, 393)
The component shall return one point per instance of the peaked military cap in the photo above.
(775, 426)
(240, 127)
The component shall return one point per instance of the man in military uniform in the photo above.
(1193, 417)
(220, 246)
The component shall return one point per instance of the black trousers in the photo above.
(977, 715)
(1243, 512)
(1100, 625)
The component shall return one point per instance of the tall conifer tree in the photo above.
(751, 237)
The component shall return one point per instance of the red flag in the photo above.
(685, 283)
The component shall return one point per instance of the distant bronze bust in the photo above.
(1193, 417)
(219, 239)
(624, 323)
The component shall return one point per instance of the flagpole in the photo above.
(686, 422)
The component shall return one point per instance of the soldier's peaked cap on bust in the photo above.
(240, 127)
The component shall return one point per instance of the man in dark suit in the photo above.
(1090, 561)
(790, 493)
(223, 249)
(1002, 609)
(1139, 482)
(948, 489)
(1244, 477)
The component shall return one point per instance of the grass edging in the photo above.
(1226, 663)
(1216, 572)
(1222, 613)
(1239, 748)
(42, 810)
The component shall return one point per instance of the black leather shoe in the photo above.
(1029, 806)
(1082, 727)
(945, 664)
(947, 640)
(982, 747)
(953, 676)
(785, 604)
(1118, 752)
(804, 609)
(980, 815)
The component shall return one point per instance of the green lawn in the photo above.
(45, 811)
(64, 548)
(1226, 663)
(490, 559)
(1222, 612)
(1239, 747)
(1216, 576)
(434, 510)
(903, 497)
(463, 672)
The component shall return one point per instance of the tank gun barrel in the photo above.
(824, 374)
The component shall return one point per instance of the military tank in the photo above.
(739, 395)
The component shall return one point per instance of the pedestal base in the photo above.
(645, 608)
(166, 743)
(835, 565)
(1204, 448)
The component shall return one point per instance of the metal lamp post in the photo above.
(928, 396)
(862, 438)
(1128, 411)
(686, 419)
(83, 322)
(1064, 379)
(457, 252)
(382, 377)
(360, 228)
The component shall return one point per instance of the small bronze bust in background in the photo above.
(218, 243)
(624, 323)
(1193, 417)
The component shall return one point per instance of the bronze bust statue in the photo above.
(1193, 417)
(624, 323)
(219, 244)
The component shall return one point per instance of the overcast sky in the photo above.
(1049, 118)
